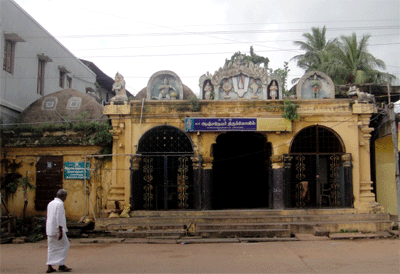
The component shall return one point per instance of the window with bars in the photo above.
(165, 139)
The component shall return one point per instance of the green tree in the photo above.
(253, 57)
(357, 65)
(318, 51)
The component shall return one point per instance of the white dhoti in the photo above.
(57, 249)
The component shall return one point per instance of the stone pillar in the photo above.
(135, 199)
(197, 181)
(348, 180)
(277, 184)
(207, 182)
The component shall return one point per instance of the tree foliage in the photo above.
(253, 57)
(345, 60)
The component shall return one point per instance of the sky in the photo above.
(191, 37)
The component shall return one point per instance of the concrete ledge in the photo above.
(352, 236)
(310, 237)
(277, 239)
(208, 241)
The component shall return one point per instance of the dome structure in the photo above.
(62, 106)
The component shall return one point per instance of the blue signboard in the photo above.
(220, 124)
(76, 170)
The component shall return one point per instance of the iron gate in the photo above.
(163, 182)
(318, 181)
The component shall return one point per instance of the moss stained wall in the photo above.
(97, 186)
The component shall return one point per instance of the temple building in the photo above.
(242, 144)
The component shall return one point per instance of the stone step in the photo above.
(252, 212)
(362, 226)
(146, 227)
(252, 219)
(230, 233)
(243, 226)
(149, 233)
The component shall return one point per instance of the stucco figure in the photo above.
(273, 90)
(316, 86)
(227, 87)
(254, 87)
(164, 89)
(119, 88)
(207, 91)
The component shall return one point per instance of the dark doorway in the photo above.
(240, 171)
(49, 178)
(164, 179)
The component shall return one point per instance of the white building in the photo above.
(35, 64)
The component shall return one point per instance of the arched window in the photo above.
(316, 139)
(165, 140)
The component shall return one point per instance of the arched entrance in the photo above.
(316, 175)
(164, 179)
(240, 171)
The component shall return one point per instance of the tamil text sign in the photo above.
(237, 124)
(76, 170)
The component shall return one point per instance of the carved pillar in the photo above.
(116, 197)
(366, 196)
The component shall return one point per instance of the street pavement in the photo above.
(306, 256)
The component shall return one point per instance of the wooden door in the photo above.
(49, 179)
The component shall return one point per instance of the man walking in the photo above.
(56, 230)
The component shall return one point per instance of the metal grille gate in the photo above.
(164, 179)
(317, 181)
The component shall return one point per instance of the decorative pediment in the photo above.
(240, 80)
(315, 85)
(165, 85)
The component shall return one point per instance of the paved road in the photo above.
(345, 256)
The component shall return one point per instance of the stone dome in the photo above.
(187, 93)
(61, 106)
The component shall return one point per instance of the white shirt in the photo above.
(55, 217)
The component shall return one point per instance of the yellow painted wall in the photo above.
(350, 121)
(385, 174)
(97, 187)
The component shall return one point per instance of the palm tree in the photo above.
(357, 64)
(317, 49)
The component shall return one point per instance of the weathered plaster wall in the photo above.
(97, 186)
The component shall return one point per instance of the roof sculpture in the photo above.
(240, 80)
